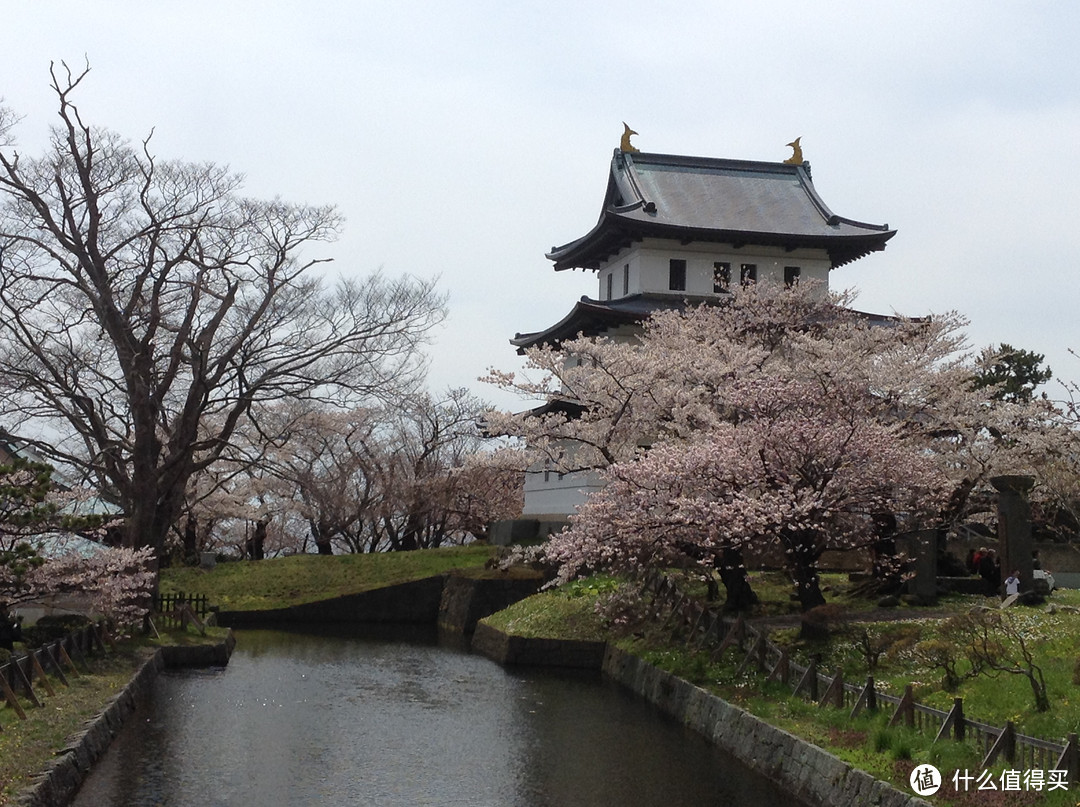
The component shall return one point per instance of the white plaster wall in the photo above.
(557, 497)
(614, 270)
(649, 263)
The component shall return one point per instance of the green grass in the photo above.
(568, 612)
(281, 582)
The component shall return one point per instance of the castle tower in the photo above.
(676, 231)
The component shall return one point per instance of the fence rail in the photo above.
(180, 609)
(706, 629)
(164, 603)
(25, 672)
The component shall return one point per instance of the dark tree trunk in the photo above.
(801, 549)
(410, 536)
(256, 544)
(740, 596)
(320, 533)
(191, 537)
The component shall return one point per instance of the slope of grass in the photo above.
(568, 612)
(281, 582)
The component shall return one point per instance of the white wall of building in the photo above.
(644, 266)
(554, 495)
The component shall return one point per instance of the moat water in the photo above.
(360, 719)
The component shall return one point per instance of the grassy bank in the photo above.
(26, 746)
(282, 582)
(568, 612)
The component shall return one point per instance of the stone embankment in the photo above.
(809, 773)
(59, 782)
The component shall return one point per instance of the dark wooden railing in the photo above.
(58, 658)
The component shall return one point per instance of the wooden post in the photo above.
(834, 693)
(712, 633)
(1004, 745)
(202, 628)
(782, 671)
(808, 682)
(905, 709)
(75, 651)
(867, 698)
(11, 699)
(1070, 759)
(675, 610)
(954, 720)
(42, 677)
(20, 673)
(67, 659)
(733, 635)
(755, 653)
(47, 650)
(696, 616)
(108, 636)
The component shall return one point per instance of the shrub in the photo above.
(51, 628)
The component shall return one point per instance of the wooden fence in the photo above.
(180, 609)
(24, 673)
(707, 630)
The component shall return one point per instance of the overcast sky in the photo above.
(465, 139)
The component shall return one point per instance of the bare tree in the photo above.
(147, 309)
(432, 487)
(410, 475)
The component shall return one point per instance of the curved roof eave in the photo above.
(614, 232)
(587, 316)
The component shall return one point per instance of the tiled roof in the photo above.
(591, 317)
(726, 201)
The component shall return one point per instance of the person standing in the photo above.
(1012, 583)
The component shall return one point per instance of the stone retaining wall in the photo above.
(506, 649)
(466, 600)
(58, 784)
(417, 601)
(811, 774)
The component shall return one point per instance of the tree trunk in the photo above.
(256, 544)
(321, 535)
(802, 553)
(191, 538)
(740, 596)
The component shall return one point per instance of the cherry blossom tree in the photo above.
(386, 478)
(434, 489)
(780, 416)
(797, 471)
(114, 583)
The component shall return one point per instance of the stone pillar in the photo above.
(924, 586)
(1014, 527)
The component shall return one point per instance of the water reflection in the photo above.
(333, 719)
